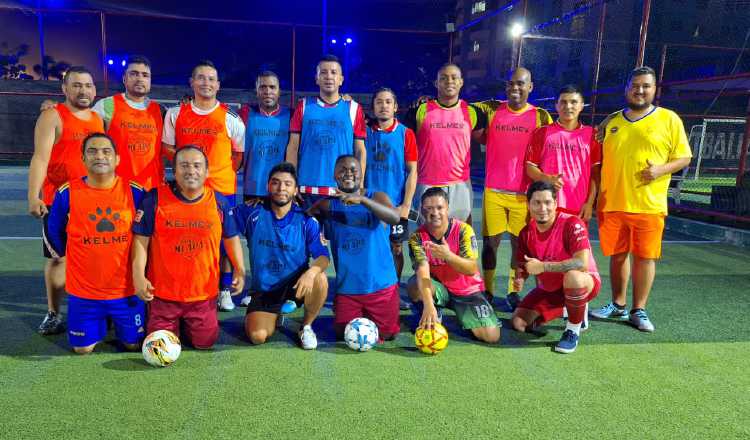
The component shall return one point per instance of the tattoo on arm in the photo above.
(564, 266)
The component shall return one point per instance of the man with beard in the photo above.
(56, 160)
(134, 122)
(555, 248)
(281, 239)
(90, 223)
(444, 252)
(177, 233)
(322, 129)
(220, 133)
(366, 284)
(444, 128)
(643, 146)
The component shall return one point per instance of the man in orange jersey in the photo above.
(90, 223)
(509, 127)
(220, 134)
(135, 124)
(56, 160)
(178, 230)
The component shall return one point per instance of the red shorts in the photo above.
(198, 320)
(550, 305)
(381, 307)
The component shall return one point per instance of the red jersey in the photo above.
(567, 236)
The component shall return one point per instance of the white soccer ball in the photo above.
(361, 334)
(161, 348)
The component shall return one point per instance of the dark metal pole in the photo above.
(103, 23)
(294, 64)
(644, 32)
(745, 144)
(661, 72)
(450, 47)
(597, 60)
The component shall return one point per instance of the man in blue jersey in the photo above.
(366, 283)
(392, 168)
(281, 239)
(266, 135)
(322, 129)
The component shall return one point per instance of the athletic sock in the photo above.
(575, 303)
(225, 281)
(576, 328)
(511, 277)
(619, 307)
(489, 281)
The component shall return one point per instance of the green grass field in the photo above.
(689, 379)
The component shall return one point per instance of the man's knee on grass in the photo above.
(523, 319)
(131, 347)
(489, 335)
(84, 350)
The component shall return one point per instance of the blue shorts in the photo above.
(87, 320)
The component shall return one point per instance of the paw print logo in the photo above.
(104, 219)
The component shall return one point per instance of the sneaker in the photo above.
(403, 304)
(609, 311)
(536, 329)
(639, 319)
(225, 301)
(307, 338)
(568, 342)
(51, 325)
(288, 307)
(246, 301)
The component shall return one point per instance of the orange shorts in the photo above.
(637, 233)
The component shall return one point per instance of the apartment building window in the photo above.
(478, 7)
(475, 47)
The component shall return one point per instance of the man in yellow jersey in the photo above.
(643, 146)
(509, 127)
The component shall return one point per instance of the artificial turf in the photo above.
(689, 379)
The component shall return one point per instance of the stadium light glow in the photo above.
(349, 40)
(111, 61)
(123, 63)
(516, 30)
(333, 41)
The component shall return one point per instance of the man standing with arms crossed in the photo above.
(219, 132)
(509, 128)
(58, 135)
(90, 223)
(643, 146)
(322, 129)
(178, 231)
(444, 129)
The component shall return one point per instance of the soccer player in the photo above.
(366, 283)
(178, 230)
(392, 166)
(90, 223)
(444, 252)
(134, 122)
(444, 129)
(281, 239)
(509, 127)
(220, 133)
(566, 155)
(266, 135)
(643, 146)
(322, 129)
(554, 247)
(56, 160)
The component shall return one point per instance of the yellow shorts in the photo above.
(637, 233)
(503, 213)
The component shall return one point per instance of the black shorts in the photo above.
(47, 250)
(271, 301)
(400, 232)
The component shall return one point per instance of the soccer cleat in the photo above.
(403, 304)
(307, 338)
(288, 307)
(51, 325)
(609, 311)
(568, 342)
(639, 319)
(246, 301)
(225, 301)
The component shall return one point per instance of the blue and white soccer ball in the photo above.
(361, 334)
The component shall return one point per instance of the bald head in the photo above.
(518, 88)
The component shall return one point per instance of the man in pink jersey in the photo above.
(554, 247)
(566, 155)
(444, 128)
(509, 127)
